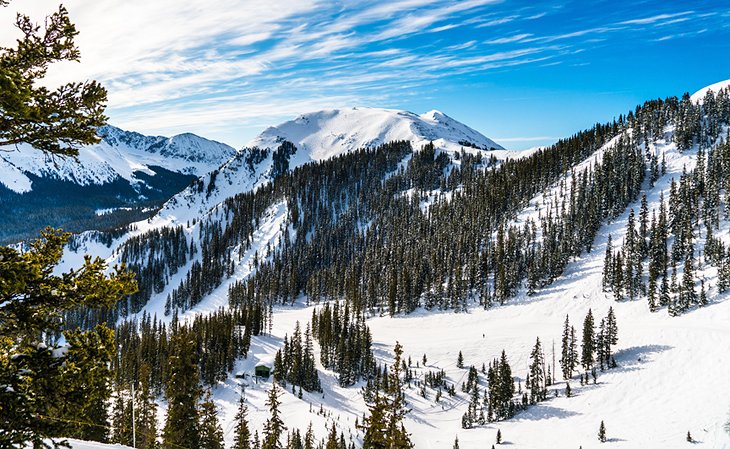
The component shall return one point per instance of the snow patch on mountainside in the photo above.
(80, 444)
(268, 235)
(13, 178)
(233, 177)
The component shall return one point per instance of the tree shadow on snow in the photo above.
(542, 411)
(632, 359)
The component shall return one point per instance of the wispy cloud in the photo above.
(510, 39)
(654, 19)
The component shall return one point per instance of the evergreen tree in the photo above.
(588, 342)
(242, 435)
(536, 384)
(664, 292)
(56, 121)
(384, 427)
(86, 378)
(631, 257)
(332, 441)
(573, 350)
(146, 410)
(600, 343)
(611, 334)
(652, 293)
(309, 438)
(182, 392)
(687, 293)
(702, 300)
(375, 425)
(274, 427)
(34, 301)
(602, 433)
(643, 227)
(566, 355)
(398, 437)
(211, 433)
(121, 419)
(607, 280)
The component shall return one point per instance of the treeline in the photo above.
(218, 339)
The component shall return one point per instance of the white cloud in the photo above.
(654, 19)
(510, 39)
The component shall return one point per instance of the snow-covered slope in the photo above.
(715, 88)
(665, 386)
(119, 155)
(324, 134)
(80, 444)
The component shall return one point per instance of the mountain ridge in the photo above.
(321, 135)
(127, 175)
(119, 154)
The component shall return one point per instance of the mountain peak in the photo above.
(327, 133)
(435, 114)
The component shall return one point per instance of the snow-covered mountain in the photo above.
(324, 134)
(121, 179)
(120, 154)
(665, 363)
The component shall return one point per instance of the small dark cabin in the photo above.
(262, 371)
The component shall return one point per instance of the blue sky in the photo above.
(523, 73)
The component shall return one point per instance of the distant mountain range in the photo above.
(128, 176)
(123, 178)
